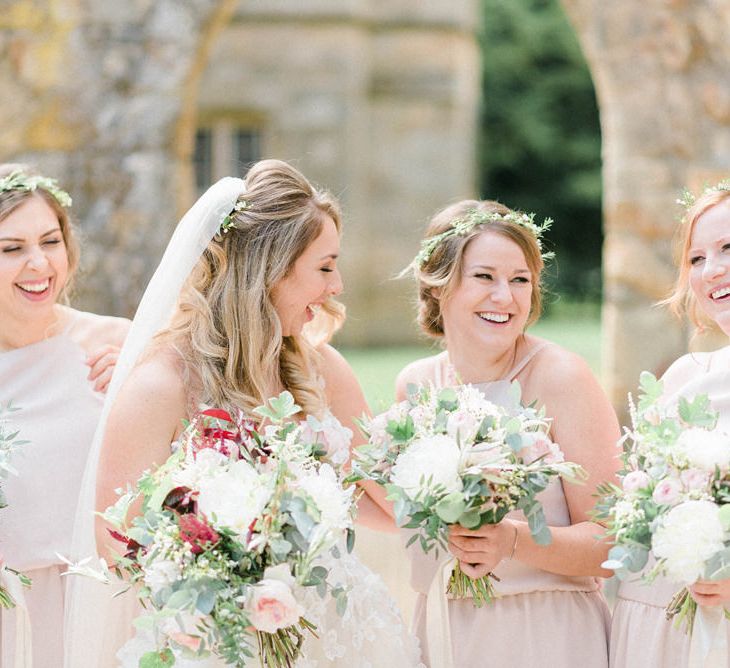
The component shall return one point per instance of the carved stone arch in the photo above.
(660, 71)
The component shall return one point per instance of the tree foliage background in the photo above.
(540, 139)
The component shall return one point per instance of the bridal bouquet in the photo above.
(450, 456)
(230, 532)
(674, 499)
(9, 444)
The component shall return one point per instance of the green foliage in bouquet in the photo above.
(673, 501)
(235, 509)
(448, 456)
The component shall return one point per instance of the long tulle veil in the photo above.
(95, 624)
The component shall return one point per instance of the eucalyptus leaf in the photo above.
(451, 507)
(471, 519)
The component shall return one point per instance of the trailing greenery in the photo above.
(540, 140)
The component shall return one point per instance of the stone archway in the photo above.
(660, 70)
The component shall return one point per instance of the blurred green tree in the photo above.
(540, 141)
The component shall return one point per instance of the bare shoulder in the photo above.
(92, 331)
(335, 369)
(342, 389)
(557, 370)
(418, 372)
(154, 391)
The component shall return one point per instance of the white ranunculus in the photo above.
(161, 574)
(205, 463)
(706, 449)
(687, 537)
(329, 496)
(433, 460)
(234, 498)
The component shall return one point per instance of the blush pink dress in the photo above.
(540, 618)
(641, 635)
(59, 411)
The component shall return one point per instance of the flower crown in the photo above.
(228, 222)
(687, 199)
(473, 218)
(19, 180)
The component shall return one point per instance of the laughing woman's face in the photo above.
(33, 262)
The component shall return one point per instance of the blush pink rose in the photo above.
(694, 478)
(666, 493)
(186, 640)
(543, 448)
(635, 480)
(272, 606)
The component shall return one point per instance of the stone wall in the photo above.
(661, 74)
(93, 93)
(375, 101)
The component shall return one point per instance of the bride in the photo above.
(239, 310)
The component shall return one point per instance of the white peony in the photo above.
(234, 498)
(433, 460)
(204, 464)
(687, 537)
(706, 449)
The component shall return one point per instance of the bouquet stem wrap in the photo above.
(437, 615)
(708, 645)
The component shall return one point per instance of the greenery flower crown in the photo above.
(473, 218)
(228, 222)
(19, 180)
(687, 199)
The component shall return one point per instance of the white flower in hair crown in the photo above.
(687, 199)
(464, 225)
(19, 180)
(228, 222)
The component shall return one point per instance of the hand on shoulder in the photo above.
(101, 337)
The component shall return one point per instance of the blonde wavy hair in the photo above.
(443, 268)
(682, 301)
(10, 200)
(225, 327)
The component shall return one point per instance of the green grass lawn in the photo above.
(576, 327)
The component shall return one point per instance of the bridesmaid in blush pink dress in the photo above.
(641, 636)
(478, 279)
(54, 364)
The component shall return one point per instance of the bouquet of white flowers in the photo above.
(674, 499)
(450, 456)
(231, 529)
(10, 579)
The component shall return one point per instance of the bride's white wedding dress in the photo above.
(370, 634)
